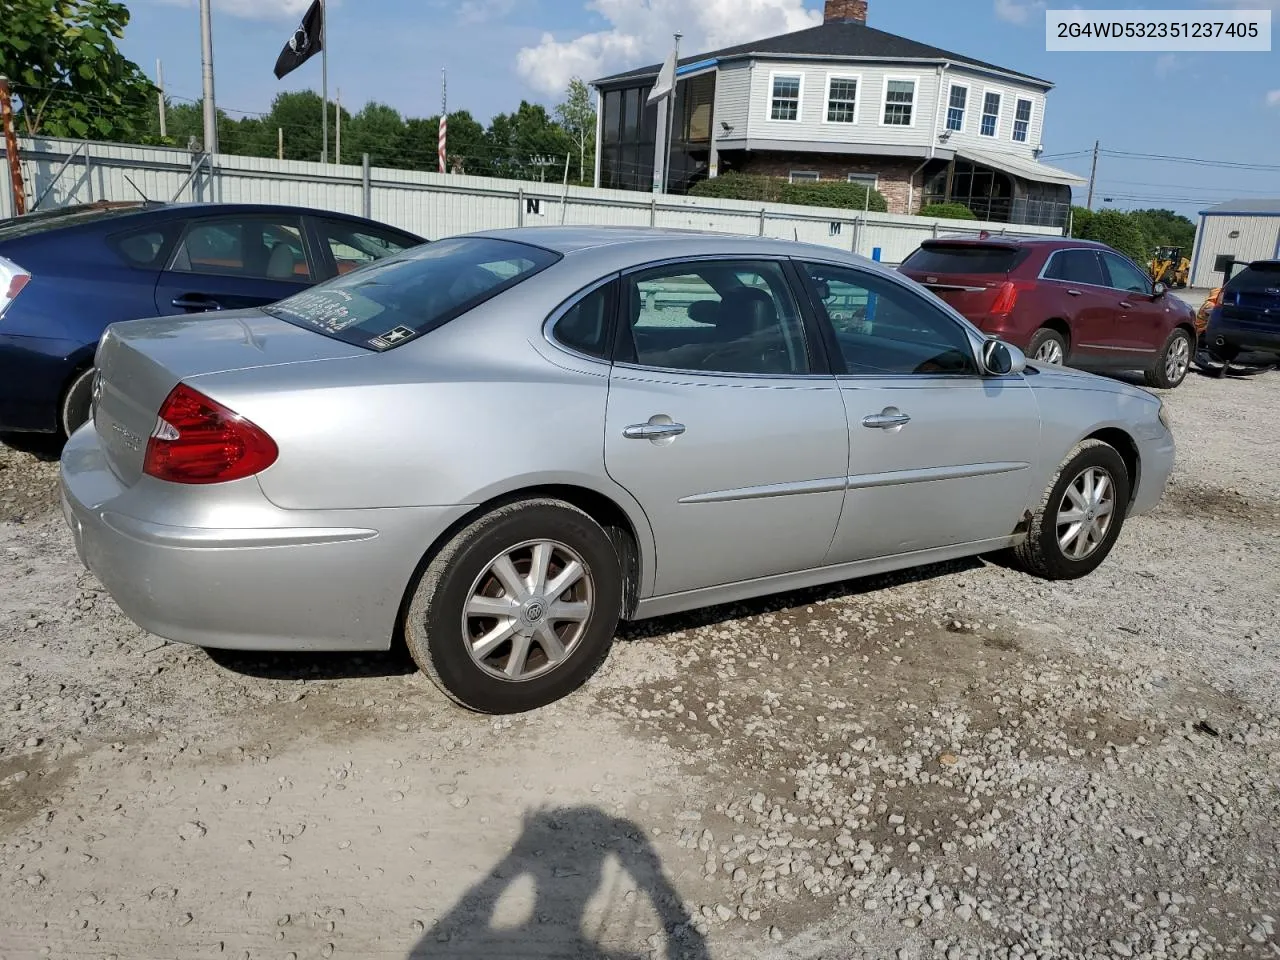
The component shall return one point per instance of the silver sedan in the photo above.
(496, 446)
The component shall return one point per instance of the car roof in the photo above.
(569, 240)
(1044, 242)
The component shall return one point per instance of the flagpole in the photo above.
(671, 115)
(324, 81)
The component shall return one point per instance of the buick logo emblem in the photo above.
(534, 611)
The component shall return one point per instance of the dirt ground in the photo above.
(957, 762)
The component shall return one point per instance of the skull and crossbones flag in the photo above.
(305, 42)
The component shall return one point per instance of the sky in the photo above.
(1209, 106)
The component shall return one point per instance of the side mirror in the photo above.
(1159, 290)
(1000, 358)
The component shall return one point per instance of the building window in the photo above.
(784, 103)
(803, 176)
(870, 180)
(1022, 120)
(842, 100)
(990, 114)
(899, 102)
(955, 108)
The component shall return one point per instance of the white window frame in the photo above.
(789, 74)
(806, 176)
(857, 100)
(1031, 115)
(915, 100)
(968, 106)
(982, 113)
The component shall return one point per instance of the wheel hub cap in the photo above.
(1085, 513)
(528, 610)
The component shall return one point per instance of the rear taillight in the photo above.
(1006, 299)
(12, 279)
(198, 440)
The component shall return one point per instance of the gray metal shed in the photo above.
(1243, 229)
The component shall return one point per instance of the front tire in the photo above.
(1081, 515)
(518, 609)
(1047, 346)
(1173, 362)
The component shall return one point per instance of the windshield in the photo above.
(965, 258)
(408, 294)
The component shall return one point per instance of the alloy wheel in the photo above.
(528, 610)
(1178, 360)
(1049, 352)
(1085, 513)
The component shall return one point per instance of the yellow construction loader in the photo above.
(1170, 267)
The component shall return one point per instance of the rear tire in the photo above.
(74, 410)
(1047, 346)
(1061, 547)
(1172, 363)
(482, 627)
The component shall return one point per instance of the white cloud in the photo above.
(640, 33)
(1017, 11)
(1273, 98)
(254, 9)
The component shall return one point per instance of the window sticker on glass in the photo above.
(391, 337)
(331, 309)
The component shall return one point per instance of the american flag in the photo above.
(444, 123)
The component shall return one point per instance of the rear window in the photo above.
(1258, 277)
(410, 293)
(965, 258)
(30, 224)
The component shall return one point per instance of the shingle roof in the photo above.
(841, 38)
(1245, 207)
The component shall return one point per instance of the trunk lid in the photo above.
(967, 274)
(140, 361)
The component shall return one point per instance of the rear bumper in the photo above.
(1226, 336)
(296, 580)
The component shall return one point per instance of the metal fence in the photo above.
(432, 205)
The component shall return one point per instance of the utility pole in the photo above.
(324, 82)
(206, 70)
(280, 143)
(19, 192)
(1093, 172)
(160, 96)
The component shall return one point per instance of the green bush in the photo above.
(947, 211)
(1119, 231)
(831, 193)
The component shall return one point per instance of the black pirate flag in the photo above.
(305, 42)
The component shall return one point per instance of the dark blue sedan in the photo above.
(67, 274)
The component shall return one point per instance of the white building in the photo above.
(1236, 230)
(845, 101)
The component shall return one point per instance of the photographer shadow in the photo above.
(577, 884)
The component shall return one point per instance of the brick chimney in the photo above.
(843, 11)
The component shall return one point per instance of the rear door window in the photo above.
(1076, 266)
(146, 248)
(264, 248)
(970, 258)
(407, 294)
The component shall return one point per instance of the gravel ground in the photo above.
(958, 762)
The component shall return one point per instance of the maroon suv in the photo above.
(1064, 301)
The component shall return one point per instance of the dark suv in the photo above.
(1245, 325)
(1062, 301)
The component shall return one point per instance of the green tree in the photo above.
(1119, 231)
(1164, 228)
(578, 118)
(377, 130)
(947, 211)
(527, 144)
(1081, 217)
(70, 78)
(298, 115)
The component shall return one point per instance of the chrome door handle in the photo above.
(1075, 293)
(885, 421)
(653, 431)
(196, 303)
(1126, 304)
